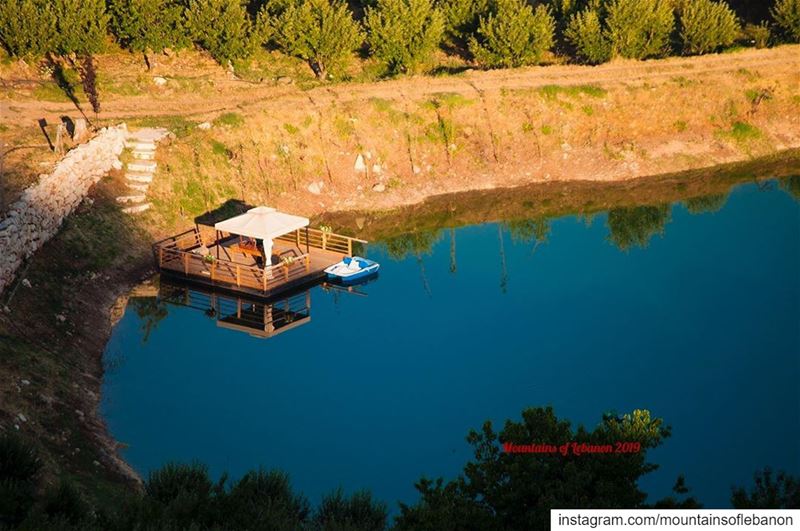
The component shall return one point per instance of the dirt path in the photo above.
(231, 94)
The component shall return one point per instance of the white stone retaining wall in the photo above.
(37, 215)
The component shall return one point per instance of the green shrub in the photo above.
(266, 498)
(585, 32)
(19, 468)
(638, 29)
(27, 27)
(360, 511)
(463, 16)
(222, 27)
(787, 14)
(321, 32)
(706, 26)
(80, 26)
(513, 34)
(231, 119)
(404, 33)
(148, 25)
(757, 35)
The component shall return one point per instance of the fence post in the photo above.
(213, 269)
(238, 280)
(264, 279)
(324, 240)
(349, 247)
(160, 257)
(286, 272)
(185, 263)
(308, 263)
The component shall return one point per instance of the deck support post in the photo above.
(286, 273)
(238, 280)
(308, 245)
(349, 247)
(308, 263)
(160, 257)
(185, 263)
(264, 280)
(297, 238)
(213, 270)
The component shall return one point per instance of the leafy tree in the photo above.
(770, 492)
(148, 25)
(631, 226)
(500, 490)
(706, 26)
(321, 32)
(585, 32)
(463, 16)
(360, 511)
(27, 27)
(513, 34)
(638, 29)
(267, 498)
(787, 14)
(404, 33)
(80, 26)
(222, 27)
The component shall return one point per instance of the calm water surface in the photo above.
(701, 326)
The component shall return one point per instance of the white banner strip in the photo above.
(665, 519)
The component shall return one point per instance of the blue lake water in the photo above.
(701, 327)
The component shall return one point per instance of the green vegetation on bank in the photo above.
(401, 34)
(497, 490)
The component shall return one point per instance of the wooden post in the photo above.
(308, 263)
(349, 247)
(264, 278)
(297, 238)
(324, 239)
(286, 272)
(160, 257)
(238, 280)
(213, 270)
(185, 263)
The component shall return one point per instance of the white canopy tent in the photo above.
(263, 223)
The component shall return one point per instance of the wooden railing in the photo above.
(174, 254)
(319, 239)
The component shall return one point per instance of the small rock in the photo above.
(160, 81)
(25, 382)
(380, 187)
(26, 282)
(22, 417)
(376, 168)
(79, 413)
(368, 154)
(359, 166)
(284, 80)
(417, 169)
(6, 309)
(96, 463)
(61, 317)
(316, 188)
(205, 126)
(168, 52)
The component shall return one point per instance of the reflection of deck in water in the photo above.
(257, 317)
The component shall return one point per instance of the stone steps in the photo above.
(136, 209)
(139, 173)
(142, 166)
(139, 177)
(131, 198)
(138, 187)
(144, 155)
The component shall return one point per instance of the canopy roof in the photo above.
(262, 222)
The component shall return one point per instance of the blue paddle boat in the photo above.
(352, 268)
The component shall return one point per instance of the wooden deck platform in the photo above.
(298, 259)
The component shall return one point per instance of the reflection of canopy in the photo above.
(262, 222)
